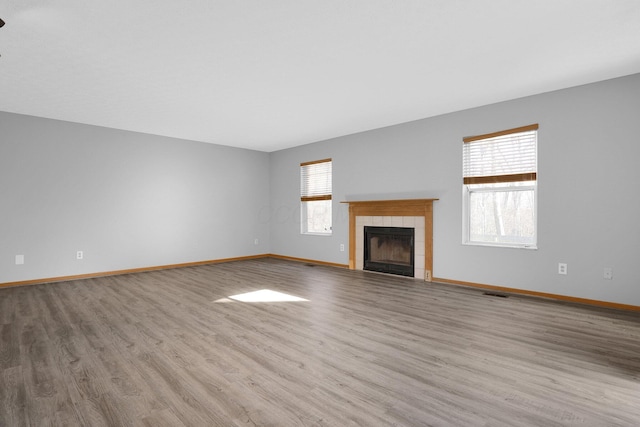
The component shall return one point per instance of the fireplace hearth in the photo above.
(389, 250)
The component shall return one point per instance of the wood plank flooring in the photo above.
(169, 348)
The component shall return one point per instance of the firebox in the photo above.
(389, 250)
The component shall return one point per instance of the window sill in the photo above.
(501, 245)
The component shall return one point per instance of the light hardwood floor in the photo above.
(168, 348)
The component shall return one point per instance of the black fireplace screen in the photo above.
(389, 250)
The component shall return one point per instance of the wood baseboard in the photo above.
(586, 301)
(310, 261)
(127, 271)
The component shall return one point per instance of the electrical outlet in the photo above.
(562, 268)
(19, 259)
(255, 241)
(608, 273)
(79, 255)
(341, 247)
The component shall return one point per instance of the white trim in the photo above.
(466, 193)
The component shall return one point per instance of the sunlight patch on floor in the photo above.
(263, 295)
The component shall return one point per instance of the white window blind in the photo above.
(506, 156)
(315, 180)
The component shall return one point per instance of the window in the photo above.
(315, 197)
(500, 188)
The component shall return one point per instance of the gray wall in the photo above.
(588, 175)
(132, 200)
(126, 199)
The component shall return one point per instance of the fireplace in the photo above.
(409, 213)
(389, 250)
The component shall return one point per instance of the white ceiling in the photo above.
(272, 74)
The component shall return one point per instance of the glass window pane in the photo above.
(502, 216)
(316, 217)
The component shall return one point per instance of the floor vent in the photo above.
(310, 265)
(493, 294)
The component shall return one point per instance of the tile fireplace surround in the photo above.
(412, 213)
